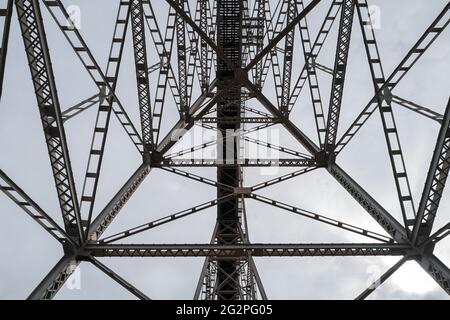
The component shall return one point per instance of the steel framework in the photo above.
(225, 52)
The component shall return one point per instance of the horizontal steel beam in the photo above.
(240, 162)
(242, 250)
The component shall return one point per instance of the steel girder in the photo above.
(182, 59)
(142, 77)
(288, 57)
(229, 39)
(34, 38)
(387, 117)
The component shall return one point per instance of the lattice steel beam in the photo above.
(36, 47)
(340, 68)
(141, 66)
(6, 8)
(239, 250)
(101, 129)
(435, 182)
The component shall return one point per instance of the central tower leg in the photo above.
(229, 38)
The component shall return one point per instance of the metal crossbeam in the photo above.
(202, 162)
(256, 250)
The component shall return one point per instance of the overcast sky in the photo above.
(28, 252)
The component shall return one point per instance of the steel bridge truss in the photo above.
(226, 48)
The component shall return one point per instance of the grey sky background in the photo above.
(28, 252)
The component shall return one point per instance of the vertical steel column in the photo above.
(229, 37)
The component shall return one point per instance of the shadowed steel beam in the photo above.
(382, 279)
(182, 59)
(252, 266)
(437, 236)
(141, 68)
(119, 279)
(435, 182)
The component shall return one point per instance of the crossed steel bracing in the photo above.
(227, 49)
